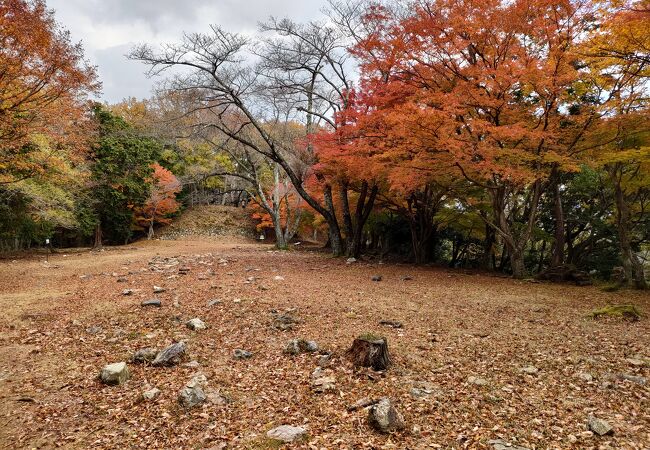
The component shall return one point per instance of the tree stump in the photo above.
(370, 351)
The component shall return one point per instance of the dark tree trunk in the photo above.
(370, 351)
(560, 235)
(633, 267)
(98, 236)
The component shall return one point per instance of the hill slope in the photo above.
(210, 220)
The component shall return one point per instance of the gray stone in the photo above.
(599, 426)
(151, 394)
(127, 292)
(530, 370)
(214, 302)
(145, 355)
(391, 323)
(376, 278)
(297, 346)
(242, 354)
(152, 302)
(171, 355)
(158, 289)
(189, 397)
(422, 389)
(498, 444)
(586, 377)
(196, 324)
(114, 374)
(633, 378)
(324, 384)
(477, 381)
(287, 433)
(94, 329)
(384, 417)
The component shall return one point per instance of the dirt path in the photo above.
(63, 321)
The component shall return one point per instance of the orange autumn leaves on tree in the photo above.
(161, 202)
(44, 83)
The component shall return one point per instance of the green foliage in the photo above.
(121, 174)
(629, 312)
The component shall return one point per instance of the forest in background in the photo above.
(507, 136)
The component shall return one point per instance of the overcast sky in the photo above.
(109, 28)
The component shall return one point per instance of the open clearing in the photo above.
(63, 321)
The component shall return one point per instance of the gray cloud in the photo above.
(109, 28)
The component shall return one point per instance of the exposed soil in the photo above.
(455, 326)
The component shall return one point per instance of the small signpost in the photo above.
(48, 248)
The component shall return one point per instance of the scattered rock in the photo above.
(477, 381)
(297, 346)
(391, 323)
(422, 389)
(145, 355)
(153, 302)
(284, 321)
(122, 280)
(287, 433)
(114, 374)
(324, 384)
(530, 370)
(498, 444)
(196, 324)
(636, 362)
(633, 378)
(407, 278)
(325, 360)
(158, 289)
(151, 394)
(242, 354)
(189, 397)
(193, 393)
(278, 278)
(127, 292)
(171, 355)
(214, 302)
(376, 278)
(94, 329)
(350, 260)
(584, 376)
(192, 365)
(599, 426)
(384, 417)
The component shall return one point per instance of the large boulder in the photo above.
(170, 356)
(384, 417)
(114, 374)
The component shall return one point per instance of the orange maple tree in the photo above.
(161, 202)
(44, 84)
(474, 90)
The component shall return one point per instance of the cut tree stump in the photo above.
(370, 351)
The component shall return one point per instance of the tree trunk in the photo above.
(560, 235)
(98, 236)
(336, 242)
(517, 263)
(370, 351)
(150, 234)
(488, 248)
(280, 242)
(633, 267)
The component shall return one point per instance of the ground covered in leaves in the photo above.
(478, 358)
